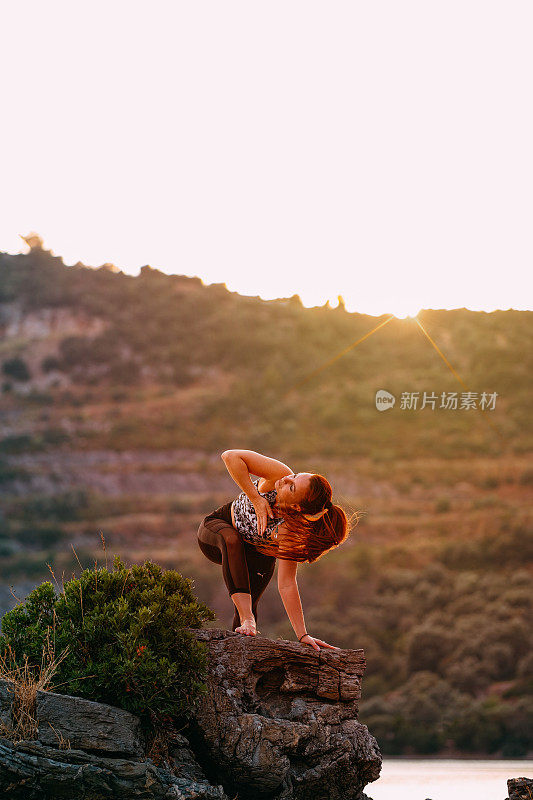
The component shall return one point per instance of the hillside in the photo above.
(120, 392)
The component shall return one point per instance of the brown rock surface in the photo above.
(33, 771)
(279, 720)
(87, 725)
(520, 788)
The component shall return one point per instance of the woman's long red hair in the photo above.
(308, 540)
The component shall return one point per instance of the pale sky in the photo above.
(378, 150)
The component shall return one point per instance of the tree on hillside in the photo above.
(16, 368)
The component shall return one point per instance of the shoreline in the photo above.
(458, 757)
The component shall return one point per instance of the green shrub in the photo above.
(126, 630)
(443, 505)
(39, 398)
(54, 436)
(40, 535)
(24, 565)
(526, 478)
(69, 505)
(50, 364)
(428, 646)
(9, 473)
(19, 443)
(512, 547)
(16, 368)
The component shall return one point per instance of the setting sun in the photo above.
(405, 310)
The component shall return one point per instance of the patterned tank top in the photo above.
(246, 518)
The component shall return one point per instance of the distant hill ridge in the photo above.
(79, 327)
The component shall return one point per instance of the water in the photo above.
(446, 779)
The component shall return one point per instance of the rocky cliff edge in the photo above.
(279, 720)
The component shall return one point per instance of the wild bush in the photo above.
(16, 368)
(128, 634)
(70, 505)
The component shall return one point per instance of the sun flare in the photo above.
(405, 310)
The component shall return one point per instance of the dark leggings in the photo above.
(244, 568)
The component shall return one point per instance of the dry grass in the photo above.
(158, 748)
(62, 743)
(25, 683)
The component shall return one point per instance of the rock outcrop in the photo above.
(279, 720)
(87, 750)
(520, 788)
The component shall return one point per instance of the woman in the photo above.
(280, 515)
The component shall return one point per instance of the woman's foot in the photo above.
(248, 627)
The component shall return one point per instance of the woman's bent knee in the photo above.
(233, 540)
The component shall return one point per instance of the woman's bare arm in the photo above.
(238, 469)
(240, 463)
(288, 589)
(255, 463)
(286, 573)
(290, 597)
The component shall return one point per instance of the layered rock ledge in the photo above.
(520, 788)
(279, 720)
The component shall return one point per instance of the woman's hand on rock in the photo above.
(316, 644)
(263, 512)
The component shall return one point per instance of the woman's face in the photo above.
(292, 489)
